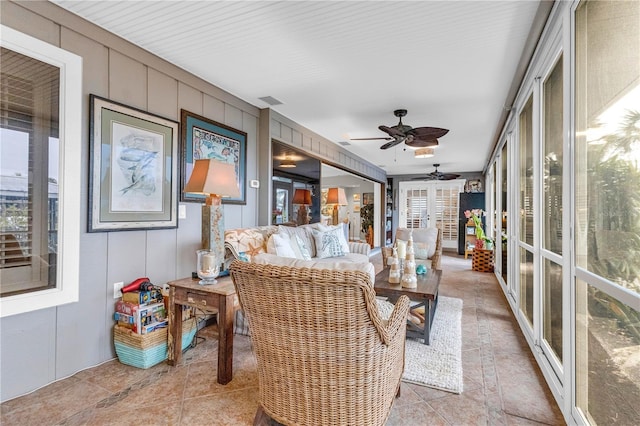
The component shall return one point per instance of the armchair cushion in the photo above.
(421, 236)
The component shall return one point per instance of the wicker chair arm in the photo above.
(398, 320)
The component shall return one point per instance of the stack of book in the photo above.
(141, 311)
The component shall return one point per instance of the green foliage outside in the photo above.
(613, 183)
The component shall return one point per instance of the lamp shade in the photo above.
(302, 196)
(336, 196)
(213, 177)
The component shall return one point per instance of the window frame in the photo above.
(67, 268)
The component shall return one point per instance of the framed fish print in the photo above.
(204, 138)
(133, 168)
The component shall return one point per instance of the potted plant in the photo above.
(366, 220)
(482, 241)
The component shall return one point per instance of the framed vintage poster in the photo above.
(204, 138)
(133, 168)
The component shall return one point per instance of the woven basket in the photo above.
(482, 260)
(147, 350)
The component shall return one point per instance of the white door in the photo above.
(431, 203)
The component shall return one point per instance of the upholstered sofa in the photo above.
(427, 245)
(244, 243)
(255, 244)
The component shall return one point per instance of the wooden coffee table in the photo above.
(426, 294)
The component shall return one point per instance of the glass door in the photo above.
(435, 203)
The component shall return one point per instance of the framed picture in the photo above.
(474, 185)
(367, 198)
(204, 138)
(356, 207)
(356, 198)
(133, 168)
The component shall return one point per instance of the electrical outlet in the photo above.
(117, 289)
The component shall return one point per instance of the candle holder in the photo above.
(208, 267)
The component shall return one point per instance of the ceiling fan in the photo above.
(414, 137)
(436, 175)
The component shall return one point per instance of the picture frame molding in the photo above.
(101, 216)
(187, 123)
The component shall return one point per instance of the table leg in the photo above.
(225, 339)
(427, 322)
(174, 341)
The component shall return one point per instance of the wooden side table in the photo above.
(222, 295)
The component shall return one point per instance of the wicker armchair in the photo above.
(325, 356)
(418, 236)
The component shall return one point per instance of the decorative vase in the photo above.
(208, 267)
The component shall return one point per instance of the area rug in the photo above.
(439, 364)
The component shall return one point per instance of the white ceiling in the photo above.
(342, 68)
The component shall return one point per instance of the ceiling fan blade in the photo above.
(393, 143)
(447, 176)
(370, 139)
(395, 133)
(428, 132)
(427, 177)
(422, 143)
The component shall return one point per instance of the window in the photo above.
(607, 210)
(526, 172)
(40, 85)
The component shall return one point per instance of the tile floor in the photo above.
(502, 383)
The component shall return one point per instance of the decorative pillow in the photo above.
(280, 245)
(244, 240)
(304, 233)
(340, 228)
(328, 243)
(299, 248)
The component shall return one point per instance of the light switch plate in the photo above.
(254, 183)
(182, 211)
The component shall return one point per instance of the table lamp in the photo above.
(302, 197)
(336, 197)
(215, 179)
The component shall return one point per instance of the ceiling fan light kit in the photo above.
(287, 163)
(424, 152)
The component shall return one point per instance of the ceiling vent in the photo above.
(270, 100)
(344, 143)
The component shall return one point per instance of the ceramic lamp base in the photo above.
(213, 228)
